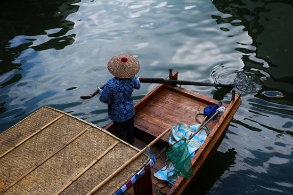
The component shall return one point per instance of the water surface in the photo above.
(54, 51)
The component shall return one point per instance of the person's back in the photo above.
(117, 93)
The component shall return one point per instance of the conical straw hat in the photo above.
(123, 66)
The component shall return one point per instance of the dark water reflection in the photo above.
(51, 52)
(204, 182)
(26, 28)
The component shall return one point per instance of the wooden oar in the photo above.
(165, 81)
(181, 82)
(92, 95)
(127, 163)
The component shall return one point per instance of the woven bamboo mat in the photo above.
(52, 152)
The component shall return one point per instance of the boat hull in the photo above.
(167, 106)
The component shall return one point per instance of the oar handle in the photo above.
(182, 82)
(92, 95)
(168, 82)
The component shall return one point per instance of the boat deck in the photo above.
(169, 107)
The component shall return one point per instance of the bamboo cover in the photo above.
(52, 152)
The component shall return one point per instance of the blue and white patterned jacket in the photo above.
(117, 93)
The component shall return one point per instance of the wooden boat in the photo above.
(52, 152)
(167, 106)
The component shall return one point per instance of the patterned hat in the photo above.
(123, 66)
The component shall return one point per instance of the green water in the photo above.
(52, 52)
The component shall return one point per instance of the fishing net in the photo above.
(179, 155)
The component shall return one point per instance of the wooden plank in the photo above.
(193, 95)
(192, 103)
(150, 126)
(142, 102)
(176, 94)
(161, 112)
(168, 116)
(178, 105)
(158, 114)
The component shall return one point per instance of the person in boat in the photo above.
(117, 93)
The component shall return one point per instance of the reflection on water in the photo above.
(270, 26)
(27, 28)
(204, 181)
(54, 51)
